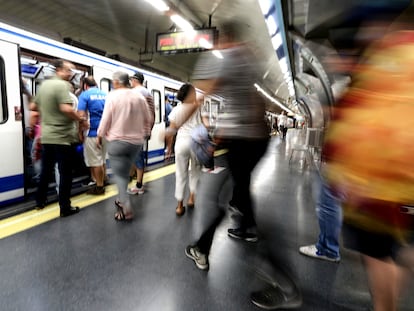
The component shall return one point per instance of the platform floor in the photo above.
(91, 262)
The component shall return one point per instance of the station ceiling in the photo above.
(128, 28)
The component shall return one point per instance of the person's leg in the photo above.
(383, 279)
(182, 158)
(140, 164)
(139, 171)
(211, 214)
(140, 177)
(95, 158)
(243, 157)
(64, 156)
(330, 222)
(122, 155)
(98, 174)
(195, 172)
(285, 129)
(329, 212)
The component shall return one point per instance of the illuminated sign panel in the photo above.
(182, 42)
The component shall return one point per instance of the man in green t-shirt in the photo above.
(55, 105)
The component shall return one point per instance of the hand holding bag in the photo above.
(202, 146)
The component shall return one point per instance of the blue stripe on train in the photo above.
(155, 153)
(11, 201)
(11, 183)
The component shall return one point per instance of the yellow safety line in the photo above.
(27, 220)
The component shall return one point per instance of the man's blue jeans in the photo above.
(330, 221)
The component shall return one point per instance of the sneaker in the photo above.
(199, 258)
(312, 251)
(135, 190)
(69, 211)
(96, 190)
(242, 235)
(275, 298)
(89, 183)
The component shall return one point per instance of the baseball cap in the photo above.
(139, 76)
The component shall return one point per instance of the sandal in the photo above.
(120, 214)
(180, 210)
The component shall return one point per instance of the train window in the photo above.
(105, 85)
(157, 105)
(3, 98)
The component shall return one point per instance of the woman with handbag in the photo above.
(183, 119)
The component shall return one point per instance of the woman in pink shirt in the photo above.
(125, 123)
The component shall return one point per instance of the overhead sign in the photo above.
(183, 42)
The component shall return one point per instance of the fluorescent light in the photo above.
(218, 54)
(159, 5)
(283, 65)
(277, 41)
(271, 25)
(272, 99)
(265, 6)
(182, 23)
(205, 44)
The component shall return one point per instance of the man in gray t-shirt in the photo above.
(241, 128)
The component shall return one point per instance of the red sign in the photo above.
(175, 42)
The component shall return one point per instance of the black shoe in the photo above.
(40, 206)
(96, 190)
(69, 211)
(242, 235)
(275, 298)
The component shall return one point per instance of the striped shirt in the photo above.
(243, 115)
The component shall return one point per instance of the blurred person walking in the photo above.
(91, 105)
(182, 149)
(125, 124)
(57, 115)
(243, 131)
(370, 159)
(137, 81)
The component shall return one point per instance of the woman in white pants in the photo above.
(183, 119)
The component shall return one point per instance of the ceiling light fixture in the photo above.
(272, 99)
(205, 44)
(159, 5)
(182, 23)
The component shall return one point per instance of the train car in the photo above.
(25, 60)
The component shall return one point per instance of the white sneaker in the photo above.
(312, 251)
(135, 190)
(199, 258)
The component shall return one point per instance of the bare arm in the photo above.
(170, 132)
(71, 113)
(207, 86)
(67, 109)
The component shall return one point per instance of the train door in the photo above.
(11, 128)
(156, 145)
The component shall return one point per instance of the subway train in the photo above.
(25, 60)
